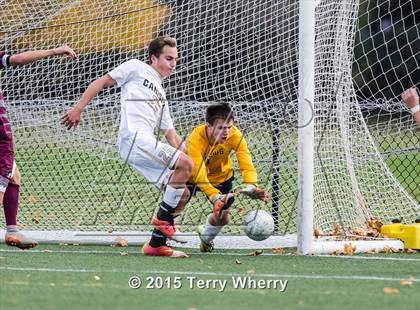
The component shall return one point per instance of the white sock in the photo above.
(210, 232)
(12, 228)
(173, 195)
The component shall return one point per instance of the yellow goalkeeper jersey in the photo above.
(213, 164)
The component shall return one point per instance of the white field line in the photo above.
(198, 273)
(122, 249)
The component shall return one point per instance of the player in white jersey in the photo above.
(143, 109)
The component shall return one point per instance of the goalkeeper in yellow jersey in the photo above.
(210, 146)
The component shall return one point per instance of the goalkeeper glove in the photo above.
(254, 192)
(222, 202)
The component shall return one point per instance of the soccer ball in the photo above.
(259, 225)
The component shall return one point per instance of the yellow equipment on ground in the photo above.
(408, 233)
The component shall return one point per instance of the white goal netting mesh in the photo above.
(242, 52)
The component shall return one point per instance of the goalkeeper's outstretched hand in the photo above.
(255, 192)
(222, 202)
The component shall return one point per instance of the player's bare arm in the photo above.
(412, 102)
(174, 139)
(31, 56)
(71, 118)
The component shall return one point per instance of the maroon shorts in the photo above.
(6, 148)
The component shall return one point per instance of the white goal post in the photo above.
(315, 85)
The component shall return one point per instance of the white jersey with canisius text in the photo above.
(143, 100)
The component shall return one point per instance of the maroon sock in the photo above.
(11, 203)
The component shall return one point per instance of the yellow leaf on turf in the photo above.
(251, 272)
(97, 278)
(121, 242)
(237, 261)
(278, 251)
(391, 290)
(123, 253)
(407, 283)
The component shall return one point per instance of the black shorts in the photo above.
(224, 188)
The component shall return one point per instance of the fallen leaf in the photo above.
(337, 229)
(278, 251)
(373, 233)
(251, 272)
(121, 242)
(358, 231)
(37, 217)
(255, 253)
(32, 199)
(108, 222)
(408, 283)
(375, 224)
(391, 290)
(110, 230)
(387, 249)
(317, 233)
(241, 211)
(97, 278)
(349, 249)
(123, 253)
(238, 261)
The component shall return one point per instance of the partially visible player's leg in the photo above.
(175, 197)
(174, 200)
(11, 204)
(214, 224)
(10, 186)
(168, 169)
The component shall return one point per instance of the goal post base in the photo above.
(358, 246)
(222, 241)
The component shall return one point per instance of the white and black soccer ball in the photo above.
(258, 225)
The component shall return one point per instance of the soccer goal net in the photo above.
(365, 163)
